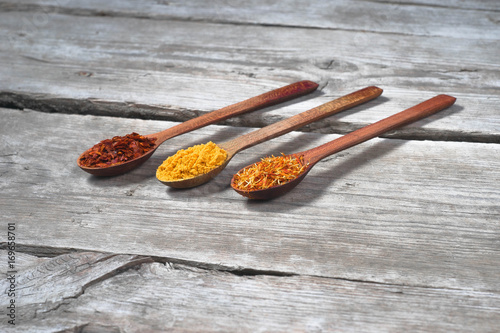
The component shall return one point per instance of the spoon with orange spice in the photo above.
(167, 172)
(118, 155)
(250, 183)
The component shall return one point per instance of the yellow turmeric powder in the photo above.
(191, 162)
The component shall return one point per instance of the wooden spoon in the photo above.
(273, 97)
(314, 155)
(274, 130)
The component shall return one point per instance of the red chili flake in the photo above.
(117, 150)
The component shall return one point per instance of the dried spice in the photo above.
(269, 172)
(191, 162)
(117, 150)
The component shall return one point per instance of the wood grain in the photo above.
(159, 297)
(150, 73)
(395, 234)
(418, 18)
(53, 282)
(432, 222)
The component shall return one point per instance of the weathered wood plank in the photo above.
(388, 236)
(42, 287)
(124, 66)
(156, 297)
(388, 211)
(472, 19)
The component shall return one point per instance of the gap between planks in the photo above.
(96, 108)
(181, 264)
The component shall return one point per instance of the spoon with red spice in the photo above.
(118, 155)
(305, 161)
(251, 139)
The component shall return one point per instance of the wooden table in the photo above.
(401, 233)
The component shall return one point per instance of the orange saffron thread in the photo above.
(269, 172)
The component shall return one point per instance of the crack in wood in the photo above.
(10, 154)
(79, 270)
(46, 252)
(182, 264)
(177, 114)
(96, 311)
(238, 271)
(50, 104)
(40, 251)
(93, 327)
(428, 5)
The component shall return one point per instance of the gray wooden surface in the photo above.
(398, 233)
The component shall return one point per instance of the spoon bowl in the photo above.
(198, 180)
(121, 168)
(271, 192)
(232, 147)
(313, 156)
(273, 97)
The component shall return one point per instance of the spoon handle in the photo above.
(301, 119)
(402, 118)
(273, 97)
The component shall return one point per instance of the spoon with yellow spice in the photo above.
(199, 164)
(274, 176)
